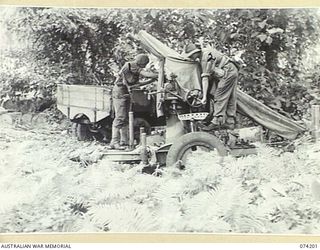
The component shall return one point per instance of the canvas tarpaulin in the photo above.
(188, 77)
(267, 117)
(187, 72)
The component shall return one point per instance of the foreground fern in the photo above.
(267, 193)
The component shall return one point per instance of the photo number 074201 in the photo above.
(159, 120)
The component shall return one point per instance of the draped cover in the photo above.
(188, 77)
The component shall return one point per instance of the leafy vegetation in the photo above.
(87, 46)
(58, 184)
(62, 185)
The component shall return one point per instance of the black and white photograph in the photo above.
(160, 120)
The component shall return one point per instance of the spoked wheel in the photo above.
(74, 129)
(83, 132)
(190, 144)
(80, 127)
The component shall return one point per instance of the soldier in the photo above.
(127, 77)
(219, 79)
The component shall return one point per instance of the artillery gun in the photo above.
(174, 106)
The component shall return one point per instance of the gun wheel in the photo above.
(190, 144)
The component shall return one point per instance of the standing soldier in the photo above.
(219, 78)
(127, 77)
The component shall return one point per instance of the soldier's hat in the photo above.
(142, 59)
(190, 49)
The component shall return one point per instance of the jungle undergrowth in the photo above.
(44, 190)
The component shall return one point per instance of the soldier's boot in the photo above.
(230, 123)
(217, 123)
(115, 141)
(124, 136)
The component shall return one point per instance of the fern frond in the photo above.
(112, 194)
(249, 223)
(169, 216)
(124, 217)
(172, 189)
(203, 225)
(266, 151)
(208, 160)
(10, 200)
(200, 204)
(80, 223)
(145, 184)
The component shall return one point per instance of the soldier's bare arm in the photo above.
(148, 74)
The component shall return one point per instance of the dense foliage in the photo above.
(87, 46)
(58, 184)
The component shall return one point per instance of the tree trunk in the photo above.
(271, 59)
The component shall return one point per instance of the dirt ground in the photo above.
(50, 182)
